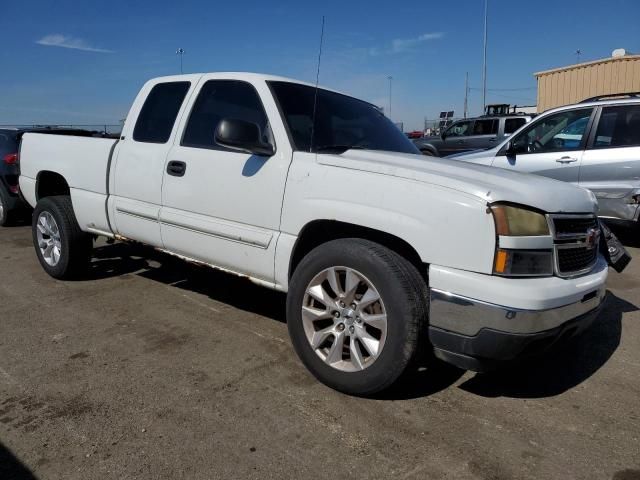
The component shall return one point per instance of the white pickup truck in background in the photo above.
(382, 251)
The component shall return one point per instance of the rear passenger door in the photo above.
(611, 163)
(137, 170)
(484, 134)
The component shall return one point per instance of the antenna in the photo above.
(315, 97)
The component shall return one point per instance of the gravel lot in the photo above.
(155, 368)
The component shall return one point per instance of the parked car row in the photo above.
(471, 134)
(382, 252)
(594, 144)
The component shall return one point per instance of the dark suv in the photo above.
(471, 134)
(10, 200)
(11, 203)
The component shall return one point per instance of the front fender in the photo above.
(444, 226)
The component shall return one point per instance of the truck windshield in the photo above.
(341, 123)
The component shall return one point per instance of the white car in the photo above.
(315, 193)
(594, 144)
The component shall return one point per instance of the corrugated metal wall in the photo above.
(564, 86)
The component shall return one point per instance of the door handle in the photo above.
(176, 168)
(566, 160)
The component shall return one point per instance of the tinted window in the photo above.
(158, 114)
(513, 124)
(8, 142)
(460, 129)
(341, 122)
(485, 127)
(220, 99)
(618, 127)
(554, 133)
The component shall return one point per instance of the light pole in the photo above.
(180, 52)
(484, 59)
(578, 53)
(390, 78)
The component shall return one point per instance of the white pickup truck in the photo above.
(382, 251)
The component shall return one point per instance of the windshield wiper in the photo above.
(338, 148)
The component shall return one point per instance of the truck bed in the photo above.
(82, 161)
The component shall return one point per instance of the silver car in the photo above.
(594, 144)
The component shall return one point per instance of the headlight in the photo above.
(519, 222)
(511, 260)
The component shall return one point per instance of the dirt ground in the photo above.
(154, 368)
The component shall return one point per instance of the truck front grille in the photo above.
(576, 240)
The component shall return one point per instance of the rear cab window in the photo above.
(158, 114)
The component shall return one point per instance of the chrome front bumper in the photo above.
(479, 336)
(468, 316)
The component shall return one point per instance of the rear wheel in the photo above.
(427, 153)
(62, 248)
(354, 312)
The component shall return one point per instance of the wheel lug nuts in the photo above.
(341, 304)
(340, 327)
(336, 314)
(353, 306)
(351, 329)
(358, 320)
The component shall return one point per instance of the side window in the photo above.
(618, 127)
(220, 99)
(460, 129)
(554, 133)
(513, 124)
(158, 114)
(486, 127)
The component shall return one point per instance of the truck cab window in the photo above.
(220, 99)
(159, 112)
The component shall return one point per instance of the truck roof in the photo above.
(249, 76)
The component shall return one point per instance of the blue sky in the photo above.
(83, 62)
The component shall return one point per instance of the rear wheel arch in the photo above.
(49, 184)
(318, 232)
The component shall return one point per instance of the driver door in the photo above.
(551, 146)
(456, 138)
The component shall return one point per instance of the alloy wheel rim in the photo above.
(344, 319)
(49, 241)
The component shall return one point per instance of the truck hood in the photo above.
(487, 183)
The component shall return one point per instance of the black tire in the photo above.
(404, 293)
(428, 153)
(76, 245)
(5, 214)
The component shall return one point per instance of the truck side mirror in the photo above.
(243, 136)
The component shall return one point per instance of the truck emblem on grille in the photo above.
(592, 237)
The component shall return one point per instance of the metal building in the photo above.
(562, 86)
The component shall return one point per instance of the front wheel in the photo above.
(355, 310)
(62, 248)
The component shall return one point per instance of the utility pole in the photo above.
(578, 53)
(390, 80)
(484, 59)
(180, 52)
(466, 94)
